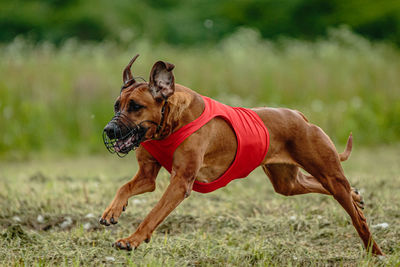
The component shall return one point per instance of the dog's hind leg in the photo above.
(288, 180)
(340, 189)
(317, 155)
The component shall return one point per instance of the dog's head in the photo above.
(139, 109)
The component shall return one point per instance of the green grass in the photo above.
(59, 99)
(243, 224)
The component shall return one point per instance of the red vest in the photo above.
(251, 135)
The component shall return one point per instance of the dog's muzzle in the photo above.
(120, 135)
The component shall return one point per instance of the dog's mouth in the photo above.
(123, 139)
(123, 146)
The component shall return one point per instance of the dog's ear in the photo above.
(162, 81)
(127, 74)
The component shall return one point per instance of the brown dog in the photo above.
(155, 109)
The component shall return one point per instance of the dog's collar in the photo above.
(160, 125)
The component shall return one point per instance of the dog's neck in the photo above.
(183, 107)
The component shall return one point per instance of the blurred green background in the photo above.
(61, 63)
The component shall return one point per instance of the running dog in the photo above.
(205, 144)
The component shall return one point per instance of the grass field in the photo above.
(49, 211)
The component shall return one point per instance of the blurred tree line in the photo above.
(192, 22)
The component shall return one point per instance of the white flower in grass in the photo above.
(16, 218)
(67, 222)
(383, 225)
(110, 259)
(40, 218)
(90, 215)
(87, 226)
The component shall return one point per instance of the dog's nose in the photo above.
(111, 130)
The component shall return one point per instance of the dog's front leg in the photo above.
(144, 181)
(179, 188)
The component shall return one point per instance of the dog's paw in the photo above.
(112, 213)
(130, 243)
(357, 198)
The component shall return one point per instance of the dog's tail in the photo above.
(346, 153)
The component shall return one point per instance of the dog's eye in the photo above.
(116, 106)
(133, 106)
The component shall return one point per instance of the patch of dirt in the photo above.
(14, 232)
(39, 177)
(175, 224)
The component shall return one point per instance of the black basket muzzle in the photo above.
(121, 135)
